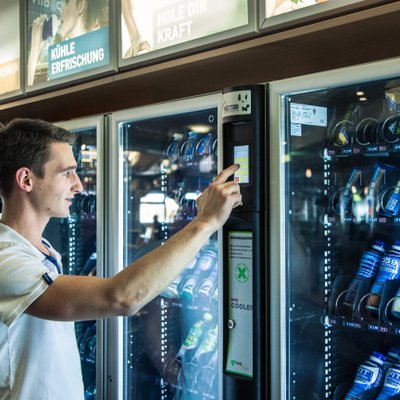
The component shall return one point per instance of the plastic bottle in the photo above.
(172, 290)
(188, 148)
(392, 357)
(368, 376)
(201, 358)
(204, 146)
(205, 287)
(396, 305)
(389, 269)
(172, 150)
(391, 385)
(208, 258)
(373, 189)
(347, 195)
(393, 204)
(206, 378)
(188, 348)
(50, 27)
(368, 268)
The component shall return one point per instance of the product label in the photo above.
(240, 337)
(308, 115)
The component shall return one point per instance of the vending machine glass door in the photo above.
(170, 346)
(76, 238)
(340, 152)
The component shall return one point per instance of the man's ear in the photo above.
(23, 177)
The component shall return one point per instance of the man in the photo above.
(38, 180)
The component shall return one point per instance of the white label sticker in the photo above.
(236, 103)
(295, 129)
(308, 115)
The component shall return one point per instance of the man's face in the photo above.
(53, 194)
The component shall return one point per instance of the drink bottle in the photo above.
(206, 378)
(393, 204)
(392, 357)
(389, 269)
(373, 189)
(192, 340)
(343, 205)
(341, 132)
(368, 376)
(90, 266)
(172, 290)
(368, 268)
(50, 27)
(204, 288)
(187, 349)
(391, 385)
(208, 257)
(206, 348)
(396, 305)
(188, 148)
(201, 358)
(204, 146)
(172, 150)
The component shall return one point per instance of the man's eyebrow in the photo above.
(71, 168)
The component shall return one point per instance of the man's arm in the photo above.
(80, 297)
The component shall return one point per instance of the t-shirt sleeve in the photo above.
(22, 281)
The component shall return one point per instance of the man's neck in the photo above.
(28, 225)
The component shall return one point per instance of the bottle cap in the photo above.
(396, 244)
(207, 317)
(394, 352)
(377, 357)
(379, 245)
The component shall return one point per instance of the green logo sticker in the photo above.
(242, 273)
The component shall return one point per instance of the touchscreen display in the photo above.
(241, 156)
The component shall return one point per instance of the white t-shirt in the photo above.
(39, 358)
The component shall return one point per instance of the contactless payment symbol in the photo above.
(242, 273)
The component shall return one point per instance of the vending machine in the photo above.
(80, 240)
(334, 263)
(162, 158)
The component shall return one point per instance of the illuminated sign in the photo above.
(10, 48)
(149, 25)
(66, 38)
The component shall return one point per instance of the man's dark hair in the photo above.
(26, 143)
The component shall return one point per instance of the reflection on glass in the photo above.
(170, 346)
(75, 238)
(342, 227)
